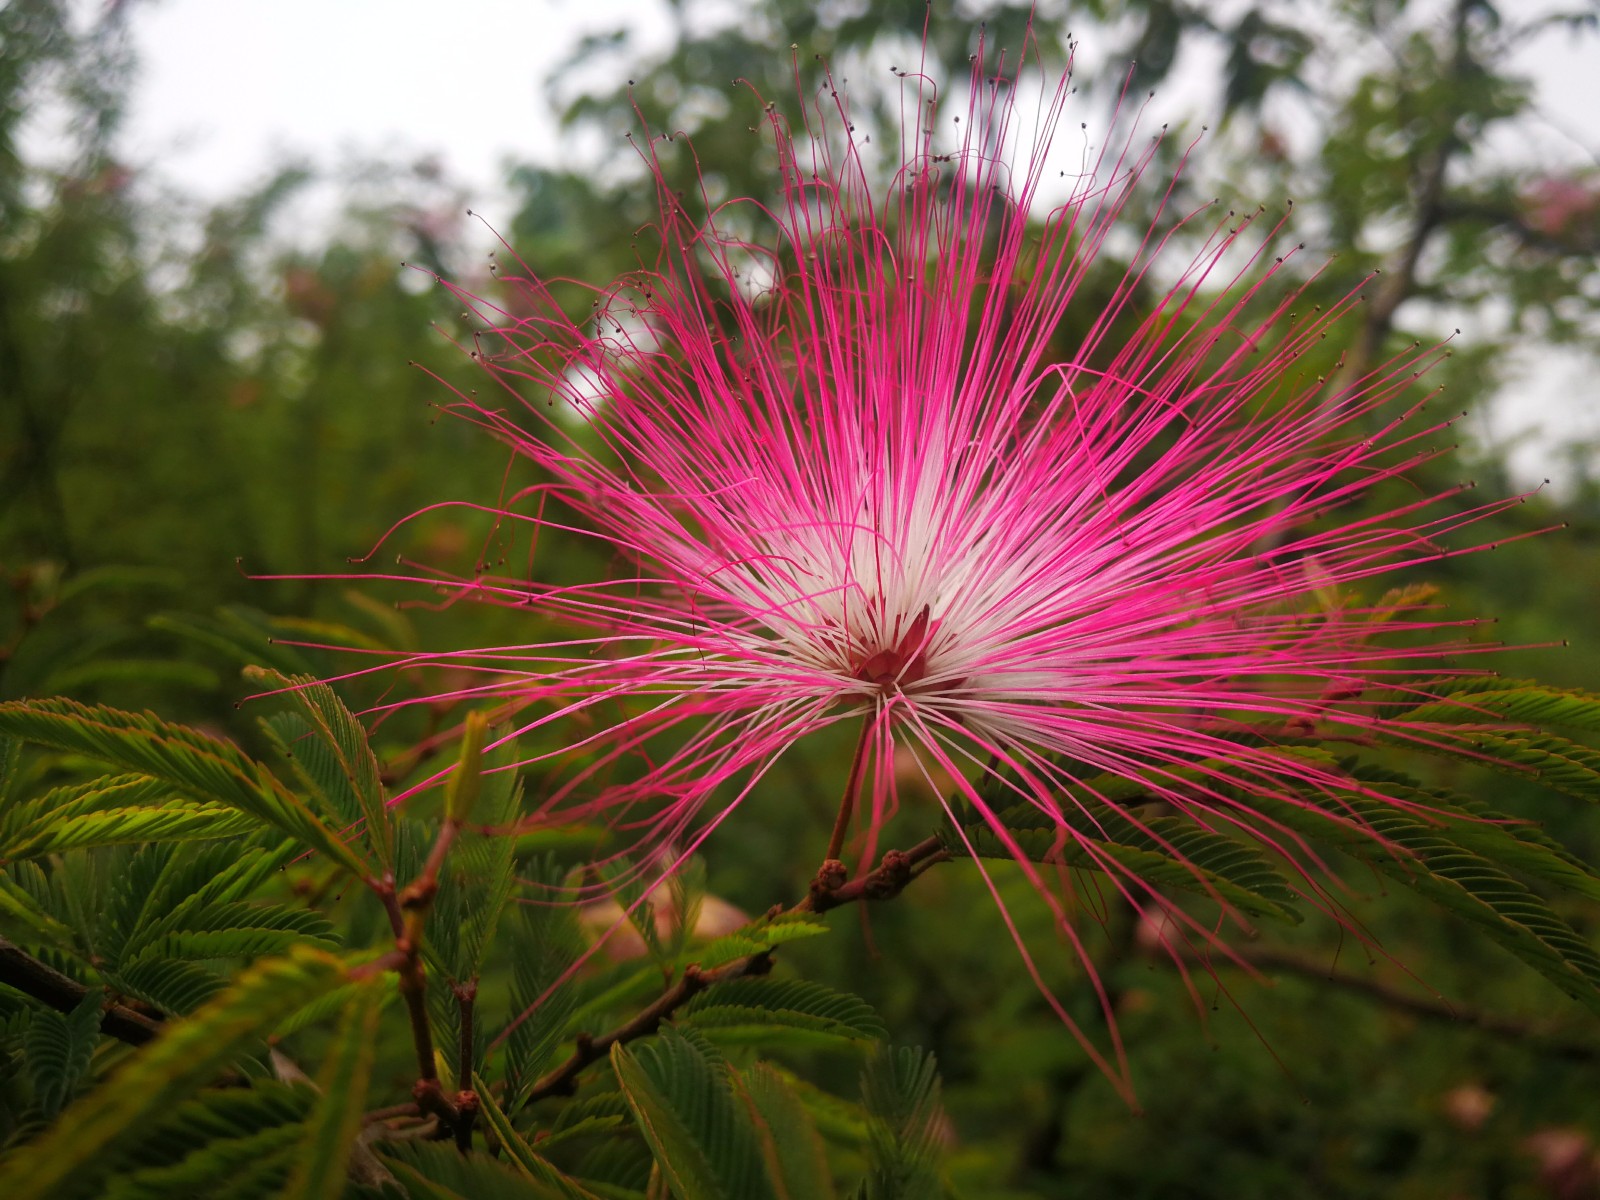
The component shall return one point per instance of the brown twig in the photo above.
(888, 879)
(390, 1113)
(467, 1105)
(28, 975)
(590, 1049)
(1426, 1007)
(829, 890)
(408, 916)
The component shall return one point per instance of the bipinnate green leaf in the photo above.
(214, 1117)
(1520, 701)
(175, 819)
(10, 774)
(481, 874)
(323, 1154)
(22, 905)
(767, 933)
(1424, 855)
(702, 1136)
(1171, 853)
(796, 1159)
(345, 737)
(1500, 724)
(543, 943)
(57, 1050)
(192, 763)
(251, 1165)
(756, 1010)
(1514, 844)
(243, 635)
(171, 986)
(314, 766)
(1555, 762)
(186, 1055)
(121, 809)
(839, 1120)
(900, 1092)
(687, 887)
(521, 1155)
(238, 930)
(234, 1142)
(166, 914)
(436, 1171)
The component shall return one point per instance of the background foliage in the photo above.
(182, 389)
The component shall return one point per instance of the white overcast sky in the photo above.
(228, 87)
(227, 84)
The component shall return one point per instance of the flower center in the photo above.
(904, 663)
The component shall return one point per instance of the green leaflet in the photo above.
(186, 1055)
(211, 1144)
(314, 766)
(1452, 876)
(1478, 721)
(796, 1160)
(330, 1132)
(57, 1049)
(10, 776)
(702, 1137)
(216, 1168)
(1524, 701)
(99, 672)
(1517, 845)
(171, 986)
(1556, 762)
(570, 1129)
(900, 1091)
(242, 635)
(22, 904)
(159, 917)
(480, 875)
(549, 943)
(757, 1010)
(522, 1155)
(765, 934)
(687, 888)
(175, 820)
(839, 1120)
(201, 767)
(263, 931)
(346, 739)
(108, 811)
(1168, 852)
(431, 1171)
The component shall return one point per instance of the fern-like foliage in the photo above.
(701, 1135)
(193, 764)
(170, 1069)
(57, 1049)
(1457, 853)
(900, 1092)
(770, 1011)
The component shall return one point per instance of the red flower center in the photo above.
(904, 663)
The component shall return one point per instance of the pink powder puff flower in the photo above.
(855, 479)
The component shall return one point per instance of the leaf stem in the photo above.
(28, 975)
(887, 880)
